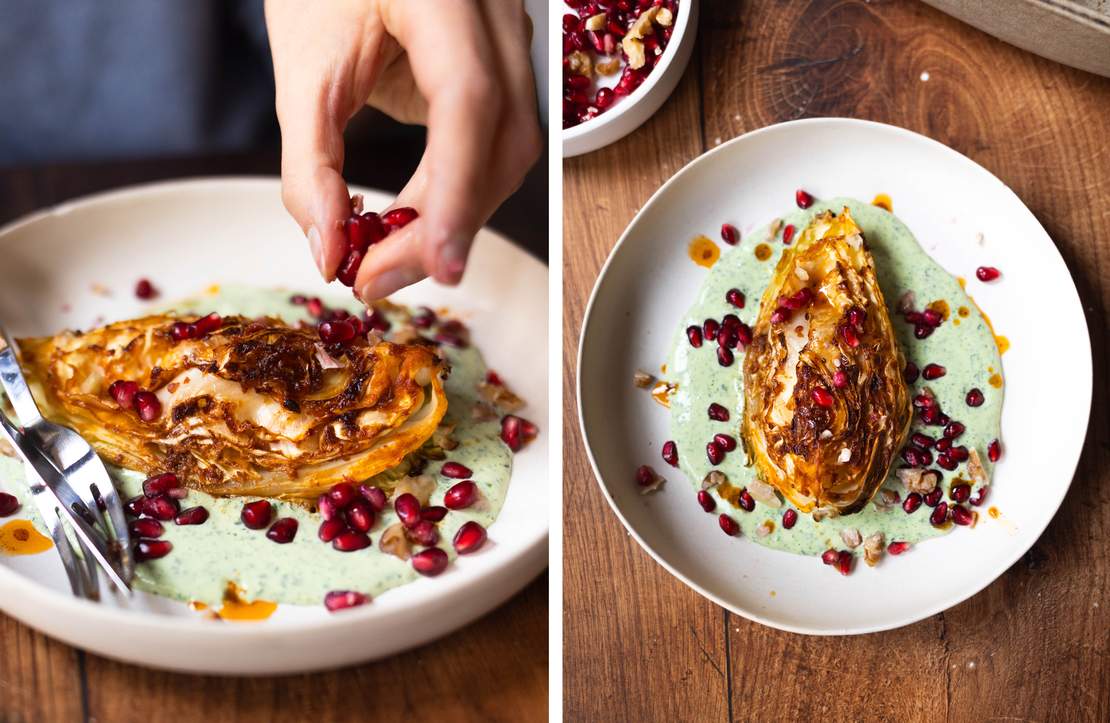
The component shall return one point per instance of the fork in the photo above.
(72, 473)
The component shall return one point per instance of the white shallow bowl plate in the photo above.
(946, 200)
(190, 234)
(628, 114)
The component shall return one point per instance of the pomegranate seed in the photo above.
(726, 442)
(435, 513)
(693, 333)
(800, 299)
(348, 270)
(645, 475)
(715, 453)
(921, 331)
(148, 406)
(145, 290)
(191, 516)
(844, 561)
(932, 498)
(961, 515)
(954, 430)
(706, 501)
(8, 504)
(351, 541)
(747, 502)
(470, 538)
(161, 508)
(840, 379)
(152, 549)
(924, 401)
(803, 199)
(145, 528)
(423, 533)
(670, 453)
(911, 373)
(931, 415)
(124, 393)
(517, 432)
(789, 519)
(994, 450)
(343, 599)
(727, 337)
(945, 461)
(822, 397)
(454, 470)
(724, 356)
(788, 234)
(710, 327)
(897, 547)
(337, 332)
(342, 494)
(730, 234)
(399, 218)
(940, 514)
(208, 324)
(960, 492)
(134, 506)
(330, 529)
(974, 398)
(408, 509)
(180, 331)
(424, 319)
(315, 307)
(326, 506)
(160, 484)
(462, 495)
(829, 557)
(728, 525)
(979, 497)
(848, 334)
(256, 515)
(933, 371)
(915, 457)
(430, 562)
(987, 273)
(360, 516)
(944, 444)
(718, 412)
(374, 496)
(364, 231)
(911, 503)
(959, 454)
(922, 440)
(604, 98)
(932, 317)
(856, 317)
(298, 299)
(744, 334)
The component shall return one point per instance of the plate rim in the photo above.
(974, 167)
(203, 631)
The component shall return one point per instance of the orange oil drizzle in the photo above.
(993, 512)
(763, 252)
(19, 537)
(704, 252)
(662, 392)
(237, 609)
(883, 201)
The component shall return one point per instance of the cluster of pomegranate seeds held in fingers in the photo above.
(363, 230)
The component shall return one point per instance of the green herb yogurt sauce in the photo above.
(206, 557)
(968, 351)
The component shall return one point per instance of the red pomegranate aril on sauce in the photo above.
(954, 430)
(374, 495)
(152, 549)
(424, 533)
(803, 199)
(706, 501)
(933, 371)
(822, 397)
(728, 525)
(344, 599)
(148, 406)
(788, 234)
(399, 217)
(351, 541)
(725, 356)
(135, 505)
(517, 431)
(162, 508)
(330, 529)
(208, 324)
(727, 442)
(962, 515)
(342, 494)
(145, 528)
(789, 519)
(718, 412)
(921, 331)
(256, 515)
(454, 470)
(911, 503)
(709, 328)
(670, 453)
(943, 444)
(408, 509)
(8, 504)
(715, 453)
(994, 450)
(470, 538)
(327, 507)
(939, 515)
(922, 440)
(736, 298)
(932, 317)
(435, 513)
(726, 338)
(746, 501)
(191, 516)
(360, 516)
(897, 547)
(829, 557)
(693, 333)
(979, 497)
(911, 373)
(945, 461)
(124, 393)
(430, 562)
(987, 273)
(160, 484)
(179, 331)
(974, 398)
(461, 495)
(729, 234)
(840, 379)
(960, 492)
(145, 290)
(933, 498)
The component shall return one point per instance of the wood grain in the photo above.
(1035, 645)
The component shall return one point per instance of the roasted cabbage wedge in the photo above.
(254, 408)
(825, 406)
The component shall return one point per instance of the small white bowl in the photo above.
(628, 114)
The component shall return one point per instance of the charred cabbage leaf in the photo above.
(255, 408)
(825, 405)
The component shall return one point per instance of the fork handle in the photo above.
(15, 385)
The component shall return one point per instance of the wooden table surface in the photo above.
(492, 670)
(1034, 645)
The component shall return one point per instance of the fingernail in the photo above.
(452, 262)
(317, 247)
(386, 283)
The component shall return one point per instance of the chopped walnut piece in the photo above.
(609, 66)
(642, 379)
(907, 301)
(664, 17)
(444, 436)
(713, 479)
(776, 226)
(500, 396)
(921, 481)
(822, 513)
(765, 493)
(886, 499)
(420, 487)
(394, 542)
(851, 538)
(765, 528)
(975, 468)
(579, 63)
(633, 41)
(873, 548)
(596, 22)
(482, 412)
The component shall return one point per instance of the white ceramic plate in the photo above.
(947, 200)
(185, 236)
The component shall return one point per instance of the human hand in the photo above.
(461, 67)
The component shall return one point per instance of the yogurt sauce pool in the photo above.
(205, 558)
(967, 350)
